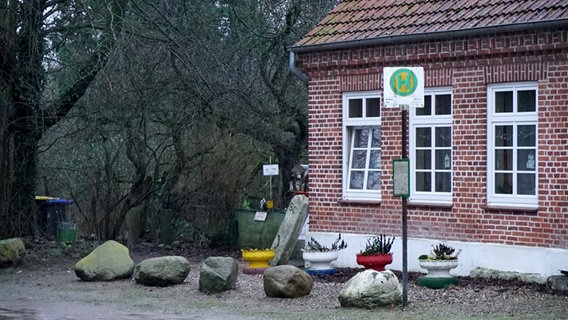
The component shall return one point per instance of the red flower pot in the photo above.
(375, 261)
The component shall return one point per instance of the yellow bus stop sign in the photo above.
(403, 86)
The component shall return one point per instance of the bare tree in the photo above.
(38, 41)
(195, 96)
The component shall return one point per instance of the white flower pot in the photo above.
(320, 260)
(438, 268)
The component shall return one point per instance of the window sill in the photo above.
(501, 207)
(358, 201)
(422, 203)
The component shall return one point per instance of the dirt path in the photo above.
(45, 287)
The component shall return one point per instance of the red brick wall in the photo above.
(468, 66)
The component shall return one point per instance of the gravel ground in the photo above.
(45, 287)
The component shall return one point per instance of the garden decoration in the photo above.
(439, 262)
(377, 253)
(258, 259)
(319, 257)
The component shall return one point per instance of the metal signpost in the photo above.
(270, 170)
(403, 87)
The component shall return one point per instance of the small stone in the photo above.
(218, 274)
(162, 271)
(287, 282)
(371, 289)
(109, 261)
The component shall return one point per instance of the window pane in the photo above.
(359, 159)
(443, 104)
(376, 142)
(355, 108)
(503, 184)
(443, 182)
(503, 159)
(526, 184)
(526, 101)
(361, 138)
(423, 137)
(427, 109)
(443, 159)
(356, 180)
(423, 182)
(504, 136)
(373, 107)
(374, 181)
(423, 159)
(525, 160)
(443, 137)
(526, 136)
(375, 161)
(504, 101)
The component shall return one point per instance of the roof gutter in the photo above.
(515, 27)
(294, 69)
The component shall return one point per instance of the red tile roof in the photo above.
(364, 20)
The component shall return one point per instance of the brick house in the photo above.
(488, 151)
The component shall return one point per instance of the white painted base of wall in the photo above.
(541, 261)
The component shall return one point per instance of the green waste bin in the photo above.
(66, 232)
(257, 234)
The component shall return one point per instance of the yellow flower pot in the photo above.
(258, 259)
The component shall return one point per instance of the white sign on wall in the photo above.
(403, 86)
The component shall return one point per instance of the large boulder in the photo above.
(218, 274)
(11, 251)
(161, 271)
(109, 261)
(287, 282)
(285, 241)
(370, 289)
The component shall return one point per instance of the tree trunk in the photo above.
(24, 115)
(22, 190)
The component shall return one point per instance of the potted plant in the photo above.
(257, 259)
(377, 253)
(318, 257)
(439, 262)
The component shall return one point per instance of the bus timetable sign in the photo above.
(403, 86)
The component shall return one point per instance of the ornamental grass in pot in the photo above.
(319, 257)
(376, 254)
(439, 262)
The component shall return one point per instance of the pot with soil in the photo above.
(257, 259)
(318, 257)
(377, 253)
(439, 263)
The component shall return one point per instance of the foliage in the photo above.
(314, 246)
(441, 251)
(380, 244)
(256, 249)
(51, 52)
(193, 97)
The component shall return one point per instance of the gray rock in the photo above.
(507, 275)
(285, 241)
(287, 282)
(532, 278)
(558, 283)
(11, 251)
(218, 274)
(371, 289)
(162, 271)
(109, 261)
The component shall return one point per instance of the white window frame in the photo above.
(348, 125)
(514, 119)
(431, 121)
